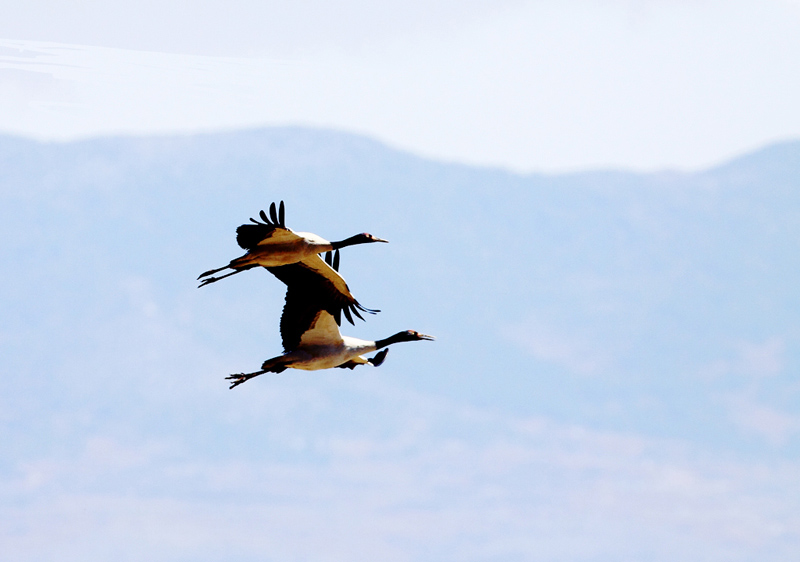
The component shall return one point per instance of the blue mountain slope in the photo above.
(592, 328)
(596, 297)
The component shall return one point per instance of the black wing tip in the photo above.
(277, 217)
(347, 315)
(249, 235)
(362, 308)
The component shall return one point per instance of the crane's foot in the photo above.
(239, 378)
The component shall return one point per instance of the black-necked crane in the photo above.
(311, 337)
(271, 244)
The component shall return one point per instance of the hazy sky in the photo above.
(533, 85)
(616, 379)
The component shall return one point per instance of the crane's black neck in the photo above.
(397, 338)
(352, 241)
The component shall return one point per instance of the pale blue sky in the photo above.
(539, 85)
(615, 371)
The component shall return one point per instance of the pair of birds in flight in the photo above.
(316, 297)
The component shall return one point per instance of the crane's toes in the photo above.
(237, 379)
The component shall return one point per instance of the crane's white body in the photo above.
(272, 245)
(323, 347)
(284, 247)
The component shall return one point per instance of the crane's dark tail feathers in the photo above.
(275, 365)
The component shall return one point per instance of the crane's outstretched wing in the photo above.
(307, 318)
(312, 286)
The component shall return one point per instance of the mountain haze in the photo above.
(614, 376)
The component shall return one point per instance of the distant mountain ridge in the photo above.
(294, 140)
(610, 262)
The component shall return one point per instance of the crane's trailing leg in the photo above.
(212, 271)
(208, 280)
(239, 378)
(236, 269)
(274, 365)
